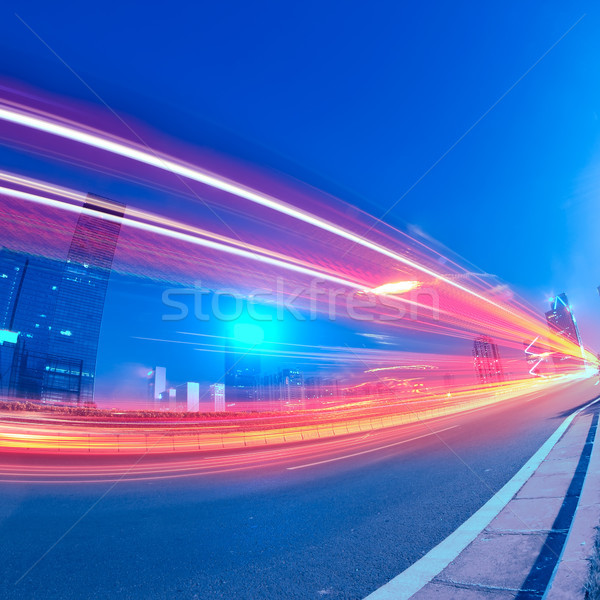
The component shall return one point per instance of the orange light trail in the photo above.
(65, 448)
(399, 287)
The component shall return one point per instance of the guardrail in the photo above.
(49, 436)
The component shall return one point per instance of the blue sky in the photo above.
(361, 100)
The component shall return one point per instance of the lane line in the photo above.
(420, 573)
(328, 460)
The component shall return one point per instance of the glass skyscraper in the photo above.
(488, 365)
(28, 292)
(56, 308)
(561, 320)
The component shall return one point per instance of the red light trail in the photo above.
(385, 285)
(68, 448)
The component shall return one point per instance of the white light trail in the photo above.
(178, 235)
(166, 163)
(400, 287)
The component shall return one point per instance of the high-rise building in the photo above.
(56, 310)
(313, 387)
(28, 294)
(242, 374)
(561, 319)
(188, 396)
(73, 347)
(8, 346)
(168, 399)
(157, 384)
(283, 389)
(330, 388)
(292, 387)
(488, 365)
(270, 390)
(217, 397)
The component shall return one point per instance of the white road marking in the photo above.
(328, 460)
(420, 573)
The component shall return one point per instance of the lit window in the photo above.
(66, 332)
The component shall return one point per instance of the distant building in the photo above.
(157, 384)
(323, 387)
(330, 388)
(8, 345)
(270, 390)
(292, 387)
(313, 387)
(242, 374)
(217, 397)
(188, 397)
(283, 389)
(488, 366)
(168, 400)
(56, 308)
(561, 319)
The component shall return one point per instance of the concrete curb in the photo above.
(517, 537)
(516, 555)
(571, 573)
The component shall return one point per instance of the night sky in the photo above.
(361, 101)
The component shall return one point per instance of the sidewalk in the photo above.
(538, 545)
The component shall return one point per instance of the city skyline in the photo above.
(54, 369)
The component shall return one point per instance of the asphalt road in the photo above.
(289, 528)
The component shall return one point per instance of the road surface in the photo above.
(282, 524)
